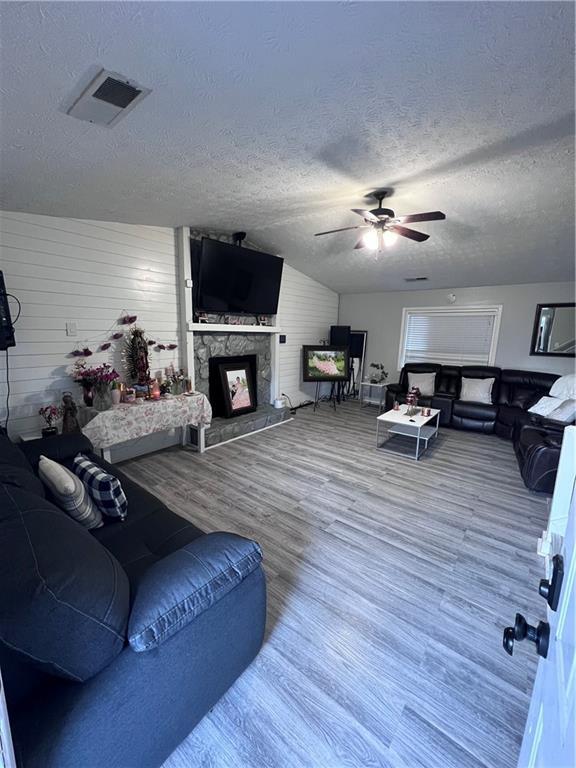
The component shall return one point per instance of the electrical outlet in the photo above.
(71, 328)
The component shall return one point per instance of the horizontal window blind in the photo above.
(452, 335)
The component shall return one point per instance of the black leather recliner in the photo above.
(519, 391)
(478, 417)
(537, 447)
(446, 388)
(399, 391)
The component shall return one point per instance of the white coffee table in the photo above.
(421, 428)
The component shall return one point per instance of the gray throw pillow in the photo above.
(69, 493)
(477, 390)
(424, 381)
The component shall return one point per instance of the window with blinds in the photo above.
(450, 335)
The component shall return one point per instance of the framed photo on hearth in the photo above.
(237, 387)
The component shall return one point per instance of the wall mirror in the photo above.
(554, 330)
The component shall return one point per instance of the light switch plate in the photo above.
(71, 328)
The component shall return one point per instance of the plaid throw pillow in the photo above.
(70, 493)
(104, 489)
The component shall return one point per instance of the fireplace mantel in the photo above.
(229, 328)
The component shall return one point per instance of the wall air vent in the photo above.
(105, 98)
(414, 279)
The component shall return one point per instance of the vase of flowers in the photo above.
(412, 401)
(50, 414)
(95, 381)
(174, 381)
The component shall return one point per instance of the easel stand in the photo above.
(332, 397)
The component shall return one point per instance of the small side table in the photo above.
(376, 395)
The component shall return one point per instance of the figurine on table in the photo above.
(70, 414)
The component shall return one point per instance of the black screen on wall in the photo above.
(228, 278)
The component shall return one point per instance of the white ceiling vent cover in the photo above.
(106, 99)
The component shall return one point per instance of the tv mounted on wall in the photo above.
(6, 327)
(228, 278)
(325, 363)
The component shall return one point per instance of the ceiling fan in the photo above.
(384, 226)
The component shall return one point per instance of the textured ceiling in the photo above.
(277, 118)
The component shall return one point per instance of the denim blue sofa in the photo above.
(114, 643)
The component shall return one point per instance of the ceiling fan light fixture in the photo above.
(370, 239)
(389, 237)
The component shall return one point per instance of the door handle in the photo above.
(550, 590)
(521, 630)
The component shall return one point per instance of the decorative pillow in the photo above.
(424, 381)
(566, 412)
(69, 493)
(477, 390)
(105, 489)
(564, 387)
(545, 406)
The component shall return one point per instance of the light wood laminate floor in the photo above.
(389, 585)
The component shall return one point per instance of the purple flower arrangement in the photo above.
(93, 376)
(50, 414)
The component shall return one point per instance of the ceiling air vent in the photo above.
(414, 279)
(105, 99)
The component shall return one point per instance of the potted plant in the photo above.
(50, 414)
(377, 373)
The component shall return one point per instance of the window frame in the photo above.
(463, 310)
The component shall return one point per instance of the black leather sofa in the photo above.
(536, 440)
(520, 390)
(537, 446)
(114, 643)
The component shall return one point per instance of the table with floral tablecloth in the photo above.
(128, 421)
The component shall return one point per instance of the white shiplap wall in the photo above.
(88, 272)
(306, 311)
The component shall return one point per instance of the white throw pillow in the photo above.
(566, 413)
(545, 406)
(564, 387)
(424, 381)
(477, 390)
(69, 493)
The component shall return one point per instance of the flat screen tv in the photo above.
(6, 327)
(325, 363)
(238, 280)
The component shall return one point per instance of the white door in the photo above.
(549, 738)
(7, 759)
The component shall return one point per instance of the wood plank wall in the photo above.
(89, 272)
(306, 311)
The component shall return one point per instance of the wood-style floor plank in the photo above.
(389, 584)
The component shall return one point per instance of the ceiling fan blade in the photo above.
(432, 216)
(409, 233)
(331, 231)
(365, 214)
(359, 244)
